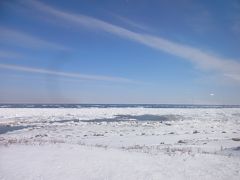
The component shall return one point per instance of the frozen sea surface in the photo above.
(133, 142)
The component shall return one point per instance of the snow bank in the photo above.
(78, 162)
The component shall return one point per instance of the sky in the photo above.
(120, 51)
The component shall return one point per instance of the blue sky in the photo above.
(120, 51)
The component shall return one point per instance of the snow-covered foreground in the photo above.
(119, 143)
(79, 162)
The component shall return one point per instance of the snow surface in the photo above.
(119, 143)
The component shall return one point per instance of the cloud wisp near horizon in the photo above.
(25, 40)
(65, 74)
(229, 68)
(9, 54)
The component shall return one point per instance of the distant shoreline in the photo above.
(26, 105)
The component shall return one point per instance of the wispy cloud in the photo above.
(228, 68)
(236, 24)
(9, 54)
(201, 22)
(64, 74)
(133, 24)
(26, 40)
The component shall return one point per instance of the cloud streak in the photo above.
(25, 40)
(9, 54)
(64, 74)
(133, 24)
(227, 67)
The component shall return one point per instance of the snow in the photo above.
(79, 162)
(119, 143)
